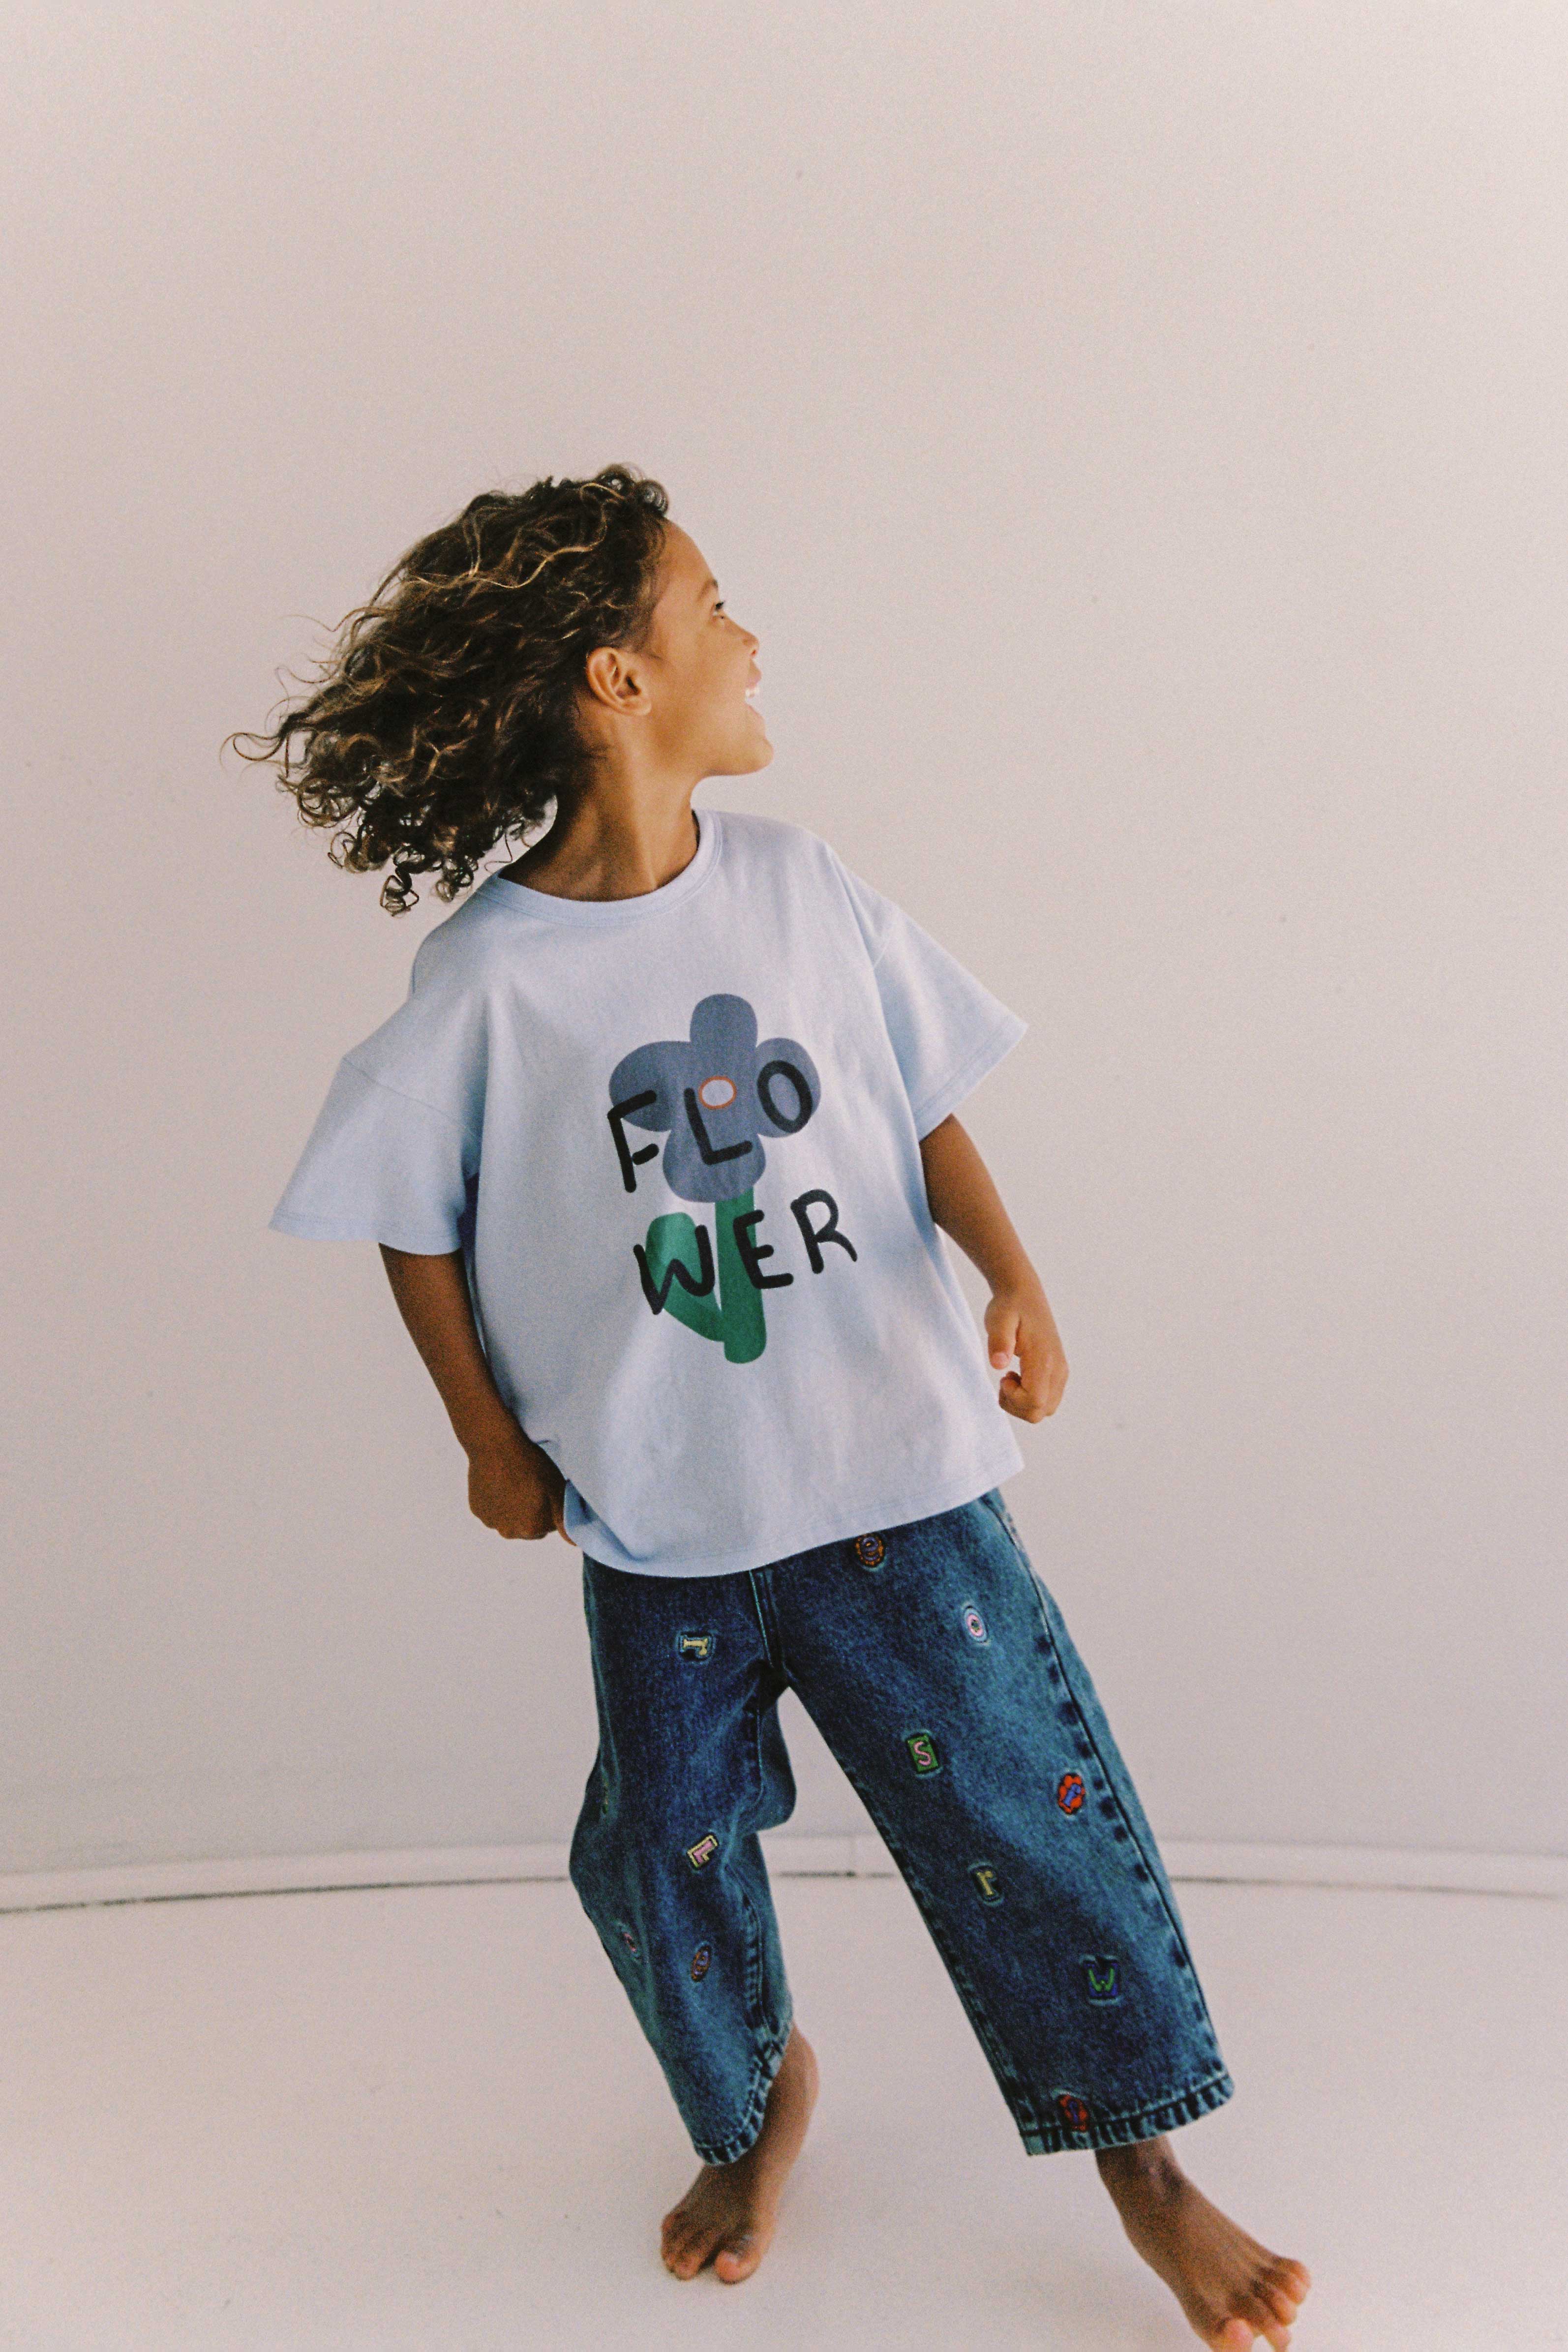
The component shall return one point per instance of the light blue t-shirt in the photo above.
(677, 1138)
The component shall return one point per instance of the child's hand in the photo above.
(1018, 1322)
(514, 1487)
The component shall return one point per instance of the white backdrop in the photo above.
(1136, 435)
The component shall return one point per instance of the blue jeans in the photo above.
(938, 1669)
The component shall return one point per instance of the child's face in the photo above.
(703, 662)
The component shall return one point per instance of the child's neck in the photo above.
(611, 843)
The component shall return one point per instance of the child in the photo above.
(656, 1149)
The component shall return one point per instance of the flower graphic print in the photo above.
(714, 1096)
(717, 1095)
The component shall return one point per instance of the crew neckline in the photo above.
(547, 907)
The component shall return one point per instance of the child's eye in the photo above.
(717, 604)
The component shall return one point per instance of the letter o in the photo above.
(804, 1105)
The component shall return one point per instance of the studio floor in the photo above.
(422, 2120)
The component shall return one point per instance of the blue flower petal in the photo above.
(716, 1097)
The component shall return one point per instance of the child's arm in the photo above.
(1018, 1320)
(513, 1485)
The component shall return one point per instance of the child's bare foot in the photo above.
(1232, 2289)
(727, 2215)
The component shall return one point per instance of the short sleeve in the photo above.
(947, 1030)
(380, 1166)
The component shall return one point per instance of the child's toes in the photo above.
(1242, 2330)
(1281, 2298)
(738, 2256)
(682, 2250)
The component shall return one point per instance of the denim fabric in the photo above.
(937, 1666)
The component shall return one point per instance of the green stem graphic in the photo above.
(732, 1309)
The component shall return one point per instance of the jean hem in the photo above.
(749, 2131)
(1139, 2123)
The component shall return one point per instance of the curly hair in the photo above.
(445, 715)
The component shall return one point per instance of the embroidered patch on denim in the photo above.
(1075, 2109)
(700, 1959)
(703, 1850)
(870, 1550)
(1104, 1979)
(1069, 1791)
(983, 1873)
(699, 1647)
(973, 1624)
(922, 1753)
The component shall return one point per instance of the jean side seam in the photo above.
(767, 1620)
(1010, 2081)
(1200, 2009)
(764, 2070)
(1202, 2018)
(1038, 1598)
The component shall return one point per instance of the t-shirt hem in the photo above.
(877, 1516)
(351, 1229)
(1001, 1042)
